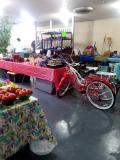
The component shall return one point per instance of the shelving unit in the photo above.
(56, 40)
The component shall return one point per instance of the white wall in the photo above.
(83, 34)
(26, 32)
(95, 31)
(110, 28)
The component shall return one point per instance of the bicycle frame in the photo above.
(79, 83)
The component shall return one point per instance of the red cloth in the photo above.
(50, 74)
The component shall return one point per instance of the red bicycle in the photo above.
(100, 91)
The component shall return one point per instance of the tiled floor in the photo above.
(83, 132)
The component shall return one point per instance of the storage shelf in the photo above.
(54, 39)
(54, 33)
(50, 39)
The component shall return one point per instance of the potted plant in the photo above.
(5, 35)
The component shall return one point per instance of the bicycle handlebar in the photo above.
(70, 64)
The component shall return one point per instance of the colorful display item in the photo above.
(90, 50)
(64, 34)
(2, 84)
(10, 94)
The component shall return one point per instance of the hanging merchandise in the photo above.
(90, 50)
(107, 43)
(95, 49)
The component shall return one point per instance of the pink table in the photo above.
(50, 74)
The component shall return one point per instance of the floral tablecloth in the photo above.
(20, 124)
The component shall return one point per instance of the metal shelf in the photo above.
(58, 41)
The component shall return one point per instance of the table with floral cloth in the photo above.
(20, 124)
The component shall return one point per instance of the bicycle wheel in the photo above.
(100, 95)
(115, 89)
(64, 88)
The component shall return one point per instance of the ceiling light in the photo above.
(64, 15)
(26, 17)
(83, 10)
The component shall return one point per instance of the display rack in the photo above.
(56, 40)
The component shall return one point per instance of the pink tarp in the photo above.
(50, 74)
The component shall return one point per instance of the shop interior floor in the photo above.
(82, 132)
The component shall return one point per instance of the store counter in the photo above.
(20, 124)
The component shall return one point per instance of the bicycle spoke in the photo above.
(100, 95)
(64, 88)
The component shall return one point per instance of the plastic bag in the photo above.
(42, 147)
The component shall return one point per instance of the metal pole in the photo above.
(73, 27)
(35, 35)
(51, 24)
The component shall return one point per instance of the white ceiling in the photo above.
(43, 10)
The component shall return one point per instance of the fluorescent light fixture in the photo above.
(64, 15)
(83, 10)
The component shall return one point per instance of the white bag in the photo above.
(42, 147)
